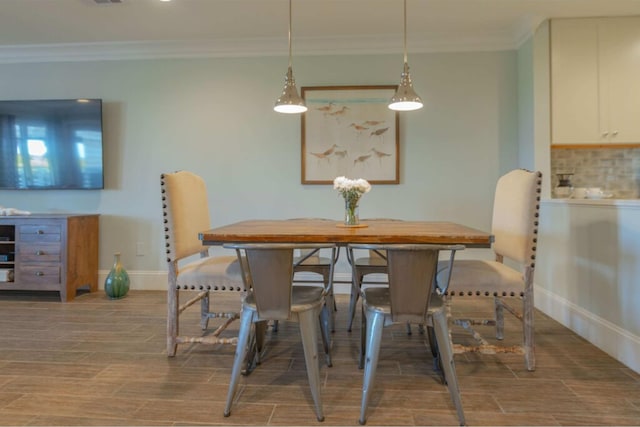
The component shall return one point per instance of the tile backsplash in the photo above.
(615, 170)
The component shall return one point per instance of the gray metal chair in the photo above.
(312, 261)
(273, 297)
(190, 266)
(374, 263)
(410, 298)
(515, 228)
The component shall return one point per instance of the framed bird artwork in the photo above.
(349, 131)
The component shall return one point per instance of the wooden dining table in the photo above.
(329, 231)
(313, 230)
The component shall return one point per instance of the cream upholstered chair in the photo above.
(515, 228)
(191, 268)
(273, 297)
(409, 298)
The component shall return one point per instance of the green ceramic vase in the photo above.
(116, 284)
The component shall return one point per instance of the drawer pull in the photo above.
(39, 273)
(39, 252)
(40, 231)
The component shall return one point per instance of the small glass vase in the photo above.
(351, 216)
(116, 285)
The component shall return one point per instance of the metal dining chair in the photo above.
(313, 261)
(191, 268)
(272, 296)
(309, 260)
(375, 262)
(514, 227)
(411, 297)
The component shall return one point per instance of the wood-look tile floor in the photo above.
(94, 361)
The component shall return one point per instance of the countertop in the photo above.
(635, 203)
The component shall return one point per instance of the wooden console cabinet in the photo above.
(49, 252)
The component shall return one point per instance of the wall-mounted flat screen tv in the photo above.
(51, 144)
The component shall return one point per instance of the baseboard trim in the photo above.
(610, 338)
(140, 280)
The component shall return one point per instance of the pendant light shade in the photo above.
(290, 102)
(405, 98)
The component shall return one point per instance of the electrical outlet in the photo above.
(140, 251)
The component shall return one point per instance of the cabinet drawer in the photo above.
(40, 233)
(38, 274)
(36, 252)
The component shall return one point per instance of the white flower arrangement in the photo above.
(351, 189)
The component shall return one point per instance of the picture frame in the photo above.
(349, 131)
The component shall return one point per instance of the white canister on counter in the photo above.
(579, 193)
(595, 193)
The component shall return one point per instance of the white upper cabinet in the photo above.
(595, 81)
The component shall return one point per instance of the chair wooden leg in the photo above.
(375, 323)
(241, 353)
(499, 313)
(172, 321)
(204, 311)
(443, 338)
(528, 330)
(308, 332)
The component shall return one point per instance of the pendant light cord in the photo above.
(405, 31)
(290, 34)
(290, 102)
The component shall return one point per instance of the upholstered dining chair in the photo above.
(411, 297)
(273, 297)
(191, 268)
(514, 227)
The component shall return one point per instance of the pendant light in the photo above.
(290, 102)
(405, 98)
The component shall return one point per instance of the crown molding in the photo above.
(248, 47)
(527, 29)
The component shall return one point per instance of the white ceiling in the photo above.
(82, 29)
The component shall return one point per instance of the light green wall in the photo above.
(214, 117)
(533, 105)
(542, 106)
(526, 156)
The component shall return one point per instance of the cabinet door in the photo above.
(575, 95)
(620, 76)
